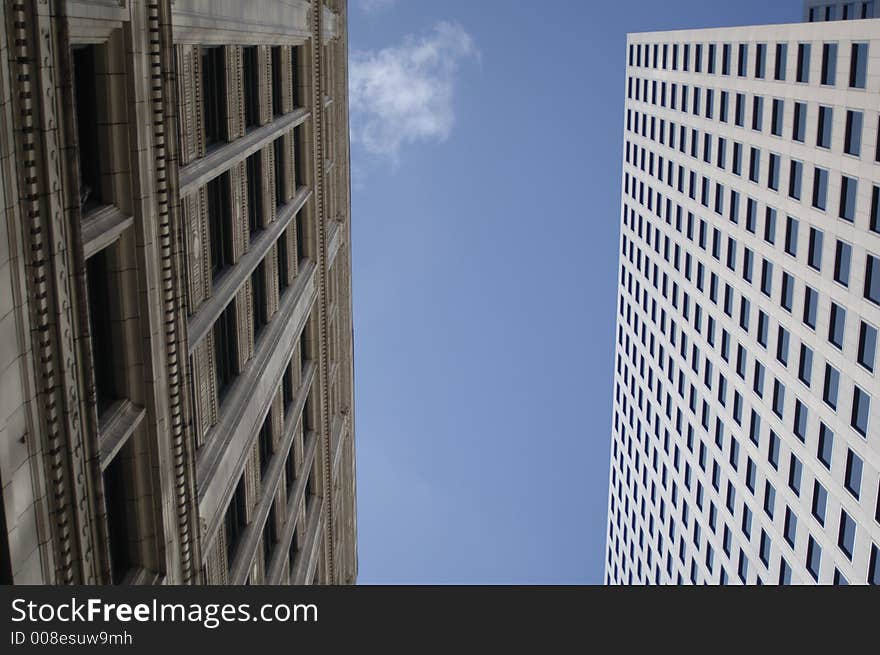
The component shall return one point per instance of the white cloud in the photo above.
(369, 6)
(403, 94)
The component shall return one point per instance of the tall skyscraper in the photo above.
(746, 416)
(175, 298)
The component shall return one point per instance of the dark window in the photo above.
(298, 163)
(814, 255)
(823, 132)
(803, 62)
(837, 325)
(235, 522)
(251, 88)
(280, 178)
(258, 298)
(826, 445)
(283, 268)
(118, 534)
(853, 479)
(848, 193)
(861, 410)
(294, 63)
(270, 538)
(303, 351)
(832, 384)
(874, 566)
(858, 65)
(829, 63)
(800, 122)
(220, 220)
(265, 440)
(214, 94)
(872, 279)
(874, 218)
(292, 553)
(300, 236)
(290, 469)
(87, 128)
(852, 142)
(287, 382)
(820, 188)
(225, 351)
(814, 558)
(255, 193)
(867, 346)
(842, 262)
(781, 57)
(101, 327)
(277, 104)
(846, 536)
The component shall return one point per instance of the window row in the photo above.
(752, 60)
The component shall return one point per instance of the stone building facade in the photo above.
(176, 400)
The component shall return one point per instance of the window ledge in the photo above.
(231, 280)
(220, 159)
(115, 426)
(101, 227)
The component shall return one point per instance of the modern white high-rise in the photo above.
(746, 418)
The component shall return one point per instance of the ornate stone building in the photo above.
(175, 296)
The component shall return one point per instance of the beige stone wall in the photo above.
(182, 441)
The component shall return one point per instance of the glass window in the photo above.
(820, 501)
(874, 218)
(811, 304)
(837, 325)
(846, 536)
(853, 479)
(757, 113)
(832, 382)
(777, 116)
(781, 60)
(874, 566)
(791, 236)
(799, 129)
(829, 63)
(790, 527)
(826, 445)
(867, 346)
(773, 450)
(842, 262)
(861, 411)
(814, 558)
(814, 256)
(820, 188)
(872, 279)
(848, 193)
(803, 62)
(852, 143)
(795, 179)
(824, 127)
(795, 473)
(858, 65)
(805, 368)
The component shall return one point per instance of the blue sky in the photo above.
(486, 165)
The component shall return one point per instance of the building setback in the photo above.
(176, 399)
(746, 412)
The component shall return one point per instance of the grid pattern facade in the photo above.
(817, 11)
(746, 415)
(179, 406)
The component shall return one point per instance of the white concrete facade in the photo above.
(817, 11)
(735, 457)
